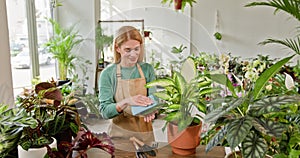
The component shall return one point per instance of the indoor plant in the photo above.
(47, 114)
(61, 46)
(254, 119)
(179, 4)
(10, 131)
(85, 141)
(183, 97)
(102, 41)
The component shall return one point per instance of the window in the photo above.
(22, 71)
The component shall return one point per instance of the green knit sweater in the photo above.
(108, 82)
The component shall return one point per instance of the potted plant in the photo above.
(47, 114)
(102, 41)
(179, 4)
(10, 131)
(253, 121)
(183, 96)
(61, 45)
(85, 142)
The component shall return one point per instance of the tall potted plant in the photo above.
(183, 97)
(61, 45)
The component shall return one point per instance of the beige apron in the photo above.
(126, 125)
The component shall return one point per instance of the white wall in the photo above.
(242, 28)
(82, 14)
(6, 88)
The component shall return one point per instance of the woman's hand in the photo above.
(150, 117)
(139, 100)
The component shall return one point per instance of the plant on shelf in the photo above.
(179, 4)
(102, 41)
(291, 7)
(184, 103)
(62, 45)
(255, 120)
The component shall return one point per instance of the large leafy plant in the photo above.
(12, 122)
(253, 120)
(182, 93)
(41, 113)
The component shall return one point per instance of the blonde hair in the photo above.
(124, 34)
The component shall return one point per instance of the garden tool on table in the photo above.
(150, 150)
(138, 152)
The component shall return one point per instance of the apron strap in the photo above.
(119, 74)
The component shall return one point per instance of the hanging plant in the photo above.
(179, 4)
(218, 35)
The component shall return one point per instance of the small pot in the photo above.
(35, 152)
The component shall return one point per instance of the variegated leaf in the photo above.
(180, 82)
(268, 127)
(162, 95)
(222, 110)
(238, 130)
(218, 137)
(164, 82)
(271, 104)
(253, 146)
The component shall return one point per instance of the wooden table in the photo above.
(125, 150)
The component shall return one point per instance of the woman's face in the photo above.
(129, 51)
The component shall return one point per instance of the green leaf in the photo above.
(188, 70)
(266, 75)
(162, 95)
(218, 137)
(174, 106)
(294, 153)
(271, 104)
(180, 82)
(238, 130)
(222, 79)
(164, 82)
(289, 6)
(222, 110)
(253, 146)
(269, 127)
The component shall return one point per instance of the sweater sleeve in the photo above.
(107, 86)
(150, 76)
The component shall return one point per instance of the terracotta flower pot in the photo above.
(178, 4)
(184, 142)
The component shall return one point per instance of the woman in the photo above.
(122, 84)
